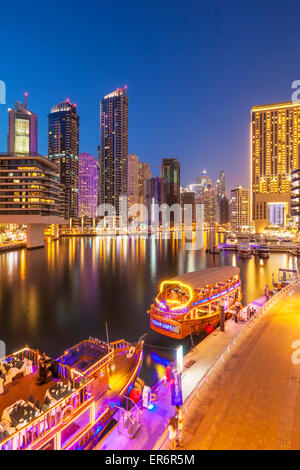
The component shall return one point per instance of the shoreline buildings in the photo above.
(240, 207)
(133, 175)
(63, 149)
(22, 129)
(88, 185)
(275, 140)
(113, 148)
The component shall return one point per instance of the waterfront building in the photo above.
(275, 140)
(63, 149)
(30, 194)
(22, 129)
(144, 174)
(295, 196)
(220, 194)
(170, 172)
(113, 148)
(240, 207)
(188, 198)
(155, 190)
(203, 183)
(133, 176)
(209, 201)
(88, 185)
(224, 210)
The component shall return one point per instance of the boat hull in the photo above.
(180, 330)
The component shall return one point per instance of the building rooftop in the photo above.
(283, 104)
(210, 276)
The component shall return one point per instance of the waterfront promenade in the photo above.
(252, 400)
(155, 421)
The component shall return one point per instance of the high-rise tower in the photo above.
(113, 148)
(63, 148)
(22, 129)
(275, 139)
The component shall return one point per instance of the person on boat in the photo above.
(179, 425)
(172, 433)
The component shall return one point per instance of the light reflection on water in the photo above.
(52, 298)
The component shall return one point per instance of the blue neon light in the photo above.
(165, 326)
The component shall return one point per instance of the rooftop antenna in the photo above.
(26, 95)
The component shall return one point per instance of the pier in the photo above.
(198, 365)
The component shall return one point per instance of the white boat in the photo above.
(245, 250)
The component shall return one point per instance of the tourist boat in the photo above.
(245, 250)
(263, 251)
(64, 404)
(187, 304)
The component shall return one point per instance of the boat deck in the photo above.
(83, 357)
(121, 371)
(21, 388)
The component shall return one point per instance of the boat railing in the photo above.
(120, 344)
(56, 415)
(25, 353)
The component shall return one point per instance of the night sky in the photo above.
(193, 71)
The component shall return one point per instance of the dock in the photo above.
(197, 364)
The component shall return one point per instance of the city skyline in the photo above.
(216, 98)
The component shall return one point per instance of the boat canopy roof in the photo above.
(200, 279)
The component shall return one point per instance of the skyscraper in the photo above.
(88, 185)
(170, 172)
(240, 207)
(113, 148)
(275, 139)
(22, 129)
(133, 183)
(154, 195)
(144, 174)
(224, 210)
(63, 148)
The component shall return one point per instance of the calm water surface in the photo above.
(52, 298)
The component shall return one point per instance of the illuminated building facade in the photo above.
(240, 207)
(295, 196)
(224, 210)
(170, 172)
(113, 148)
(220, 198)
(209, 201)
(155, 194)
(22, 129)
(133, 175)
(29, 186)
(88, 185)
(63, 149)
(144, 174)
(275, 139)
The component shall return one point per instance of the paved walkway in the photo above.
(252, 401)
(155, 421)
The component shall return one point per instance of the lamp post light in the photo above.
(179, 358)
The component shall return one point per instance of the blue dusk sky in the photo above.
(193, 71)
